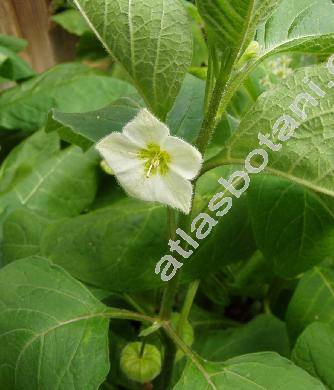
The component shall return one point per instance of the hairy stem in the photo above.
(121, 314)
(165, 314)
(170, 289)
(209, 122)
(220, 93)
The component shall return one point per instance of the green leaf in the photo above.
(234, 21)
(115, 248)
(12, 66)
(264, 333)
(200, 49)
(62, 186)
(293, 226)
(230, 241)
(314, 352)
(22, 232)
(264, 370)
(85, 129)
(312, 301)
(300, 25)
(25, 157)
(67, 87)
(72, 21)
(53, 330)
(186, 116)
(13, 43)
(307, 157)
(151, 39)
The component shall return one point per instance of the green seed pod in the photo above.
(142, 369)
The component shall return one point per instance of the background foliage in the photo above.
(77, 255)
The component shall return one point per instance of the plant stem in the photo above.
(188, 301)
(142, 348)
(133, 303)
(121, 314)
(171, 288)
(165, 314)
(209, 122)
(189, 353)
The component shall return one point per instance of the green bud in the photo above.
(251, 52)
(142, 369)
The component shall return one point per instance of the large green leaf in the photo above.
(293, 226)
(53, 330)
(62, 186)
(151, 39)
(234, 22)
(186, 116)
(115, 247)
(299, 25)
(25, 157)
(314, 352)
(308, 157)
(264, 370)
(85, 129)
(312, 301)
(22, 232)
(67, 87)
(264, 333)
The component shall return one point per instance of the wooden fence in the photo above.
(30, 19)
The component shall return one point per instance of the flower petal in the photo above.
(146, 129)
(119, 152)
(170, 189)
(186, 160)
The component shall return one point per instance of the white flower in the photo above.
(150, 164)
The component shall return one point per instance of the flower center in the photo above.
(156, 160)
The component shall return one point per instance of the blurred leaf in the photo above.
(200, 50)
(12, 66)
(67, 87)
(263, 333)
(293, 226)
(314, 352)
(312, 301)
(72, 21)
(90, 48)
(53, 330)
(13, 43)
